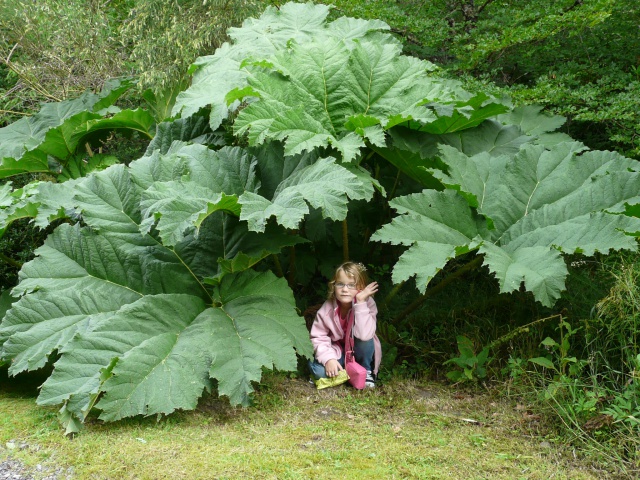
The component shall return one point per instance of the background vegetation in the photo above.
(578, 59)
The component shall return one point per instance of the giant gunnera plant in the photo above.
(159, 286)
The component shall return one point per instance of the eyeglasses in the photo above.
(350, 286)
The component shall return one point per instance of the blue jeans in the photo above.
(363, 351)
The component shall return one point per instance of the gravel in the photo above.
(12, 469)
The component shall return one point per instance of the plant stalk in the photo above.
(472, 265)
(522, 329)
(391, 295)
(395, 185)
(278, 265)
(292, 267)
(10, 261)
(14, 113)
(345, 241)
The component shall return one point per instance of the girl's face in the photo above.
(345, 294)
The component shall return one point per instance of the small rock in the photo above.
(545, 445)
(425, 393)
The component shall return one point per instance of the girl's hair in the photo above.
(356, 270)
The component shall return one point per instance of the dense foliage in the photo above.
(532, 205)
(163, 282)
(577, 58)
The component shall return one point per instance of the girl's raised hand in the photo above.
(366, 292)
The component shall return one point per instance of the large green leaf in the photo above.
(324, 185)
(80, 259)
(81, 164)
(186, 191)
(86, 127)
(466, 114)
(325, 92)
(531, 121)
(216, 75)
(416, 153)
(226, 240)
(208, 181)
(58, 128)
(29, 132)
(49, 141)
(29, 162)
(521, 211)
(194, 129)
(312, 83)
(109, 202)
(44, 202)
(175, 207)
(134, 320)
(191, 182)
(5, 195)
(160, 352)
(277, 26)
(42, 323)
(436, 226)
(541, 269)
(229, 170)
(274, 166)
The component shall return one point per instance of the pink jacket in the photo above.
(326, 332)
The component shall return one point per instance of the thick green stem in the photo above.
(394, 291)
(345, 241)
(365, 238)
(278, 265)
(10, 261)
(292, 267)
(472, 265)
(395, 185)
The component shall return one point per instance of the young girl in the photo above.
(348, 292)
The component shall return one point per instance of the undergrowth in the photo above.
(575, 365)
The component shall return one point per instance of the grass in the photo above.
(405, 429)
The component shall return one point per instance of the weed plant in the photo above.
(587, 374)
(577, 365)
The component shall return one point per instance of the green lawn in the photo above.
(400, 430)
